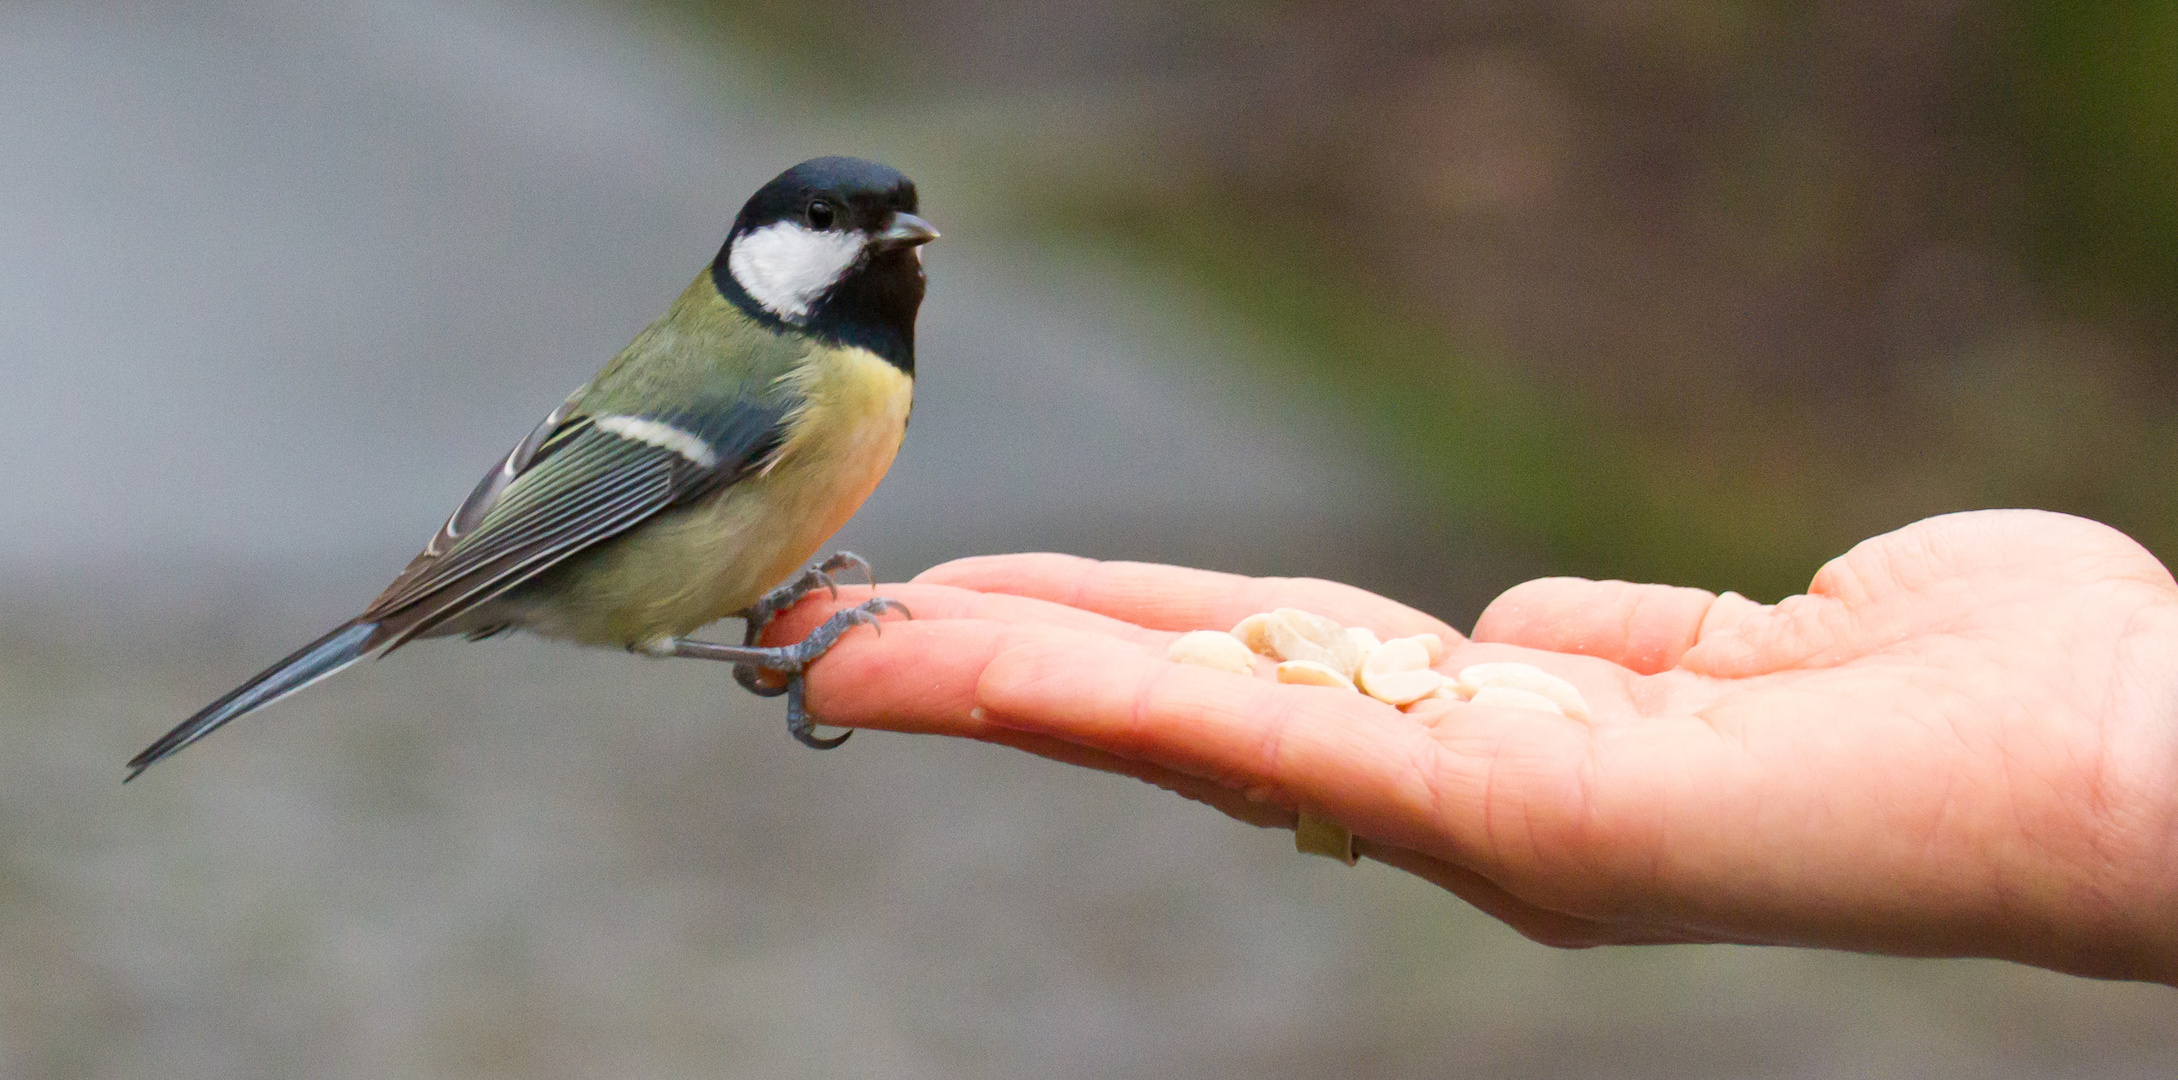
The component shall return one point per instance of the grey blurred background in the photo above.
(1427, 298)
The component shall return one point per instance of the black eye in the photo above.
(820, 215)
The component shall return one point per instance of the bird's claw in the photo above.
(760, 615)
(820, 576)
(805, 652)
(803, 726)
(793, 661)
(795, 658)
(848, 560)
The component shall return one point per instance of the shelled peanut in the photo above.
(1315, 651)
(1312, 650)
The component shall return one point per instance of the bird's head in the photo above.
(831, 246)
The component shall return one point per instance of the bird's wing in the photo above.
(466, 517)
(576, 481)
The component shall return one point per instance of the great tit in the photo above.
(700, 468)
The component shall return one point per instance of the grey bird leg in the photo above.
(786, 596)
(793, 660)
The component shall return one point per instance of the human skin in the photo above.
(1962, 741)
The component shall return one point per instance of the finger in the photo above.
(1286, 743)
(946, 677)
(1359, 760)
(938, 602)
(1176, 598)
(921, 677)
(1643, 627)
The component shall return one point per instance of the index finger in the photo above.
(1177, 598)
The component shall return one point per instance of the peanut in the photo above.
(1312, 673)
(1212, 649)
(1563, 695)
(1250, 632)
(1364, 637)
(1397, 672)
(1435, 645)
(1293, 634)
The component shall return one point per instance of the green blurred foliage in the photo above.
(1483, 445)
(2098, 101)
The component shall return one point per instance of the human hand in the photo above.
(1963, 741)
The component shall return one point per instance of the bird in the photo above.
(692, 476)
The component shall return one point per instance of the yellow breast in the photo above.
(699, 564)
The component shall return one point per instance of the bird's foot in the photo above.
(820, 576)
(760, 615)
(793, 661)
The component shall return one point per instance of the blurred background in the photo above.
(1429, 298)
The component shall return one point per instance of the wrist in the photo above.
(2129, 808)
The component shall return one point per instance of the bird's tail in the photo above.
(310, 663)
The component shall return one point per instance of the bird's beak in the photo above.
(907, 231)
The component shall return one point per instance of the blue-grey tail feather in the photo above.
(307, 665)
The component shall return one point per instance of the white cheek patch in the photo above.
(788, 267)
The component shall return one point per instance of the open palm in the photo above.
(1962, 741)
